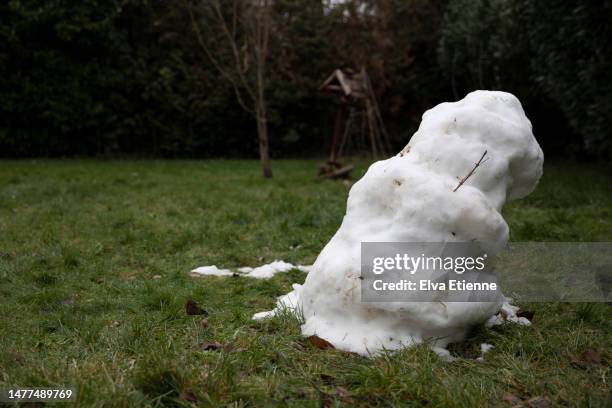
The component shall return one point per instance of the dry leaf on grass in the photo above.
(19, 358)
(320, 343)
(326, 378)
(188, 396)
(512, 399)
(538, 402)
(216, 346)
(212, 345)
(192, 309)
(533, 402)
(343, 394)
(589, 358)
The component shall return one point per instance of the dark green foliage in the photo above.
(129, 77)
(572, 59)
(104, 77)
(554, 55)
(53, 59)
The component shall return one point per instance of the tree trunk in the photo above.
(261, 49)
(262, 133)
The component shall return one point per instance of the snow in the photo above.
(211, 270)
(484, 349)
(443, 353)
(269, 270)
(289, 302)
(507, 313)
(266, 271)
(410, 198)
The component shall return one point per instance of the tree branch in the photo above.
(232, 42)
(463, 180)
(224, 73)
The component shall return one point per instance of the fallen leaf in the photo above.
(538, 402)
(527, 314)
(512, 399)
(216, 346)
(344, 394)
(19, 358)
(204, 323)
(320, 343)
(192, 309)
(593, 357)
(327, 379)
(188, 396)
(212, 345)
(589, 358)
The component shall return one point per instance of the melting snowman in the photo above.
(449, 184)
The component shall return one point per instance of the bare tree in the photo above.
(242, 32)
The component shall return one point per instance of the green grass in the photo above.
(93, 282)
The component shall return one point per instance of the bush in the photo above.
(553, 55)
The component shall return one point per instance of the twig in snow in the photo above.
(463, 180)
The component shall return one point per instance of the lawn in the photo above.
(94, 258)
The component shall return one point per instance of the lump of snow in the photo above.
(263, 315)
(211, 270)
(411, 198)
(288, 302)
(508, 313)
(484, 349)
(269, 270)
(266, 271)
(443, 353)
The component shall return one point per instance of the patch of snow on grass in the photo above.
(211, 270)
(266, 271)
(507, 314)
(484, 349)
